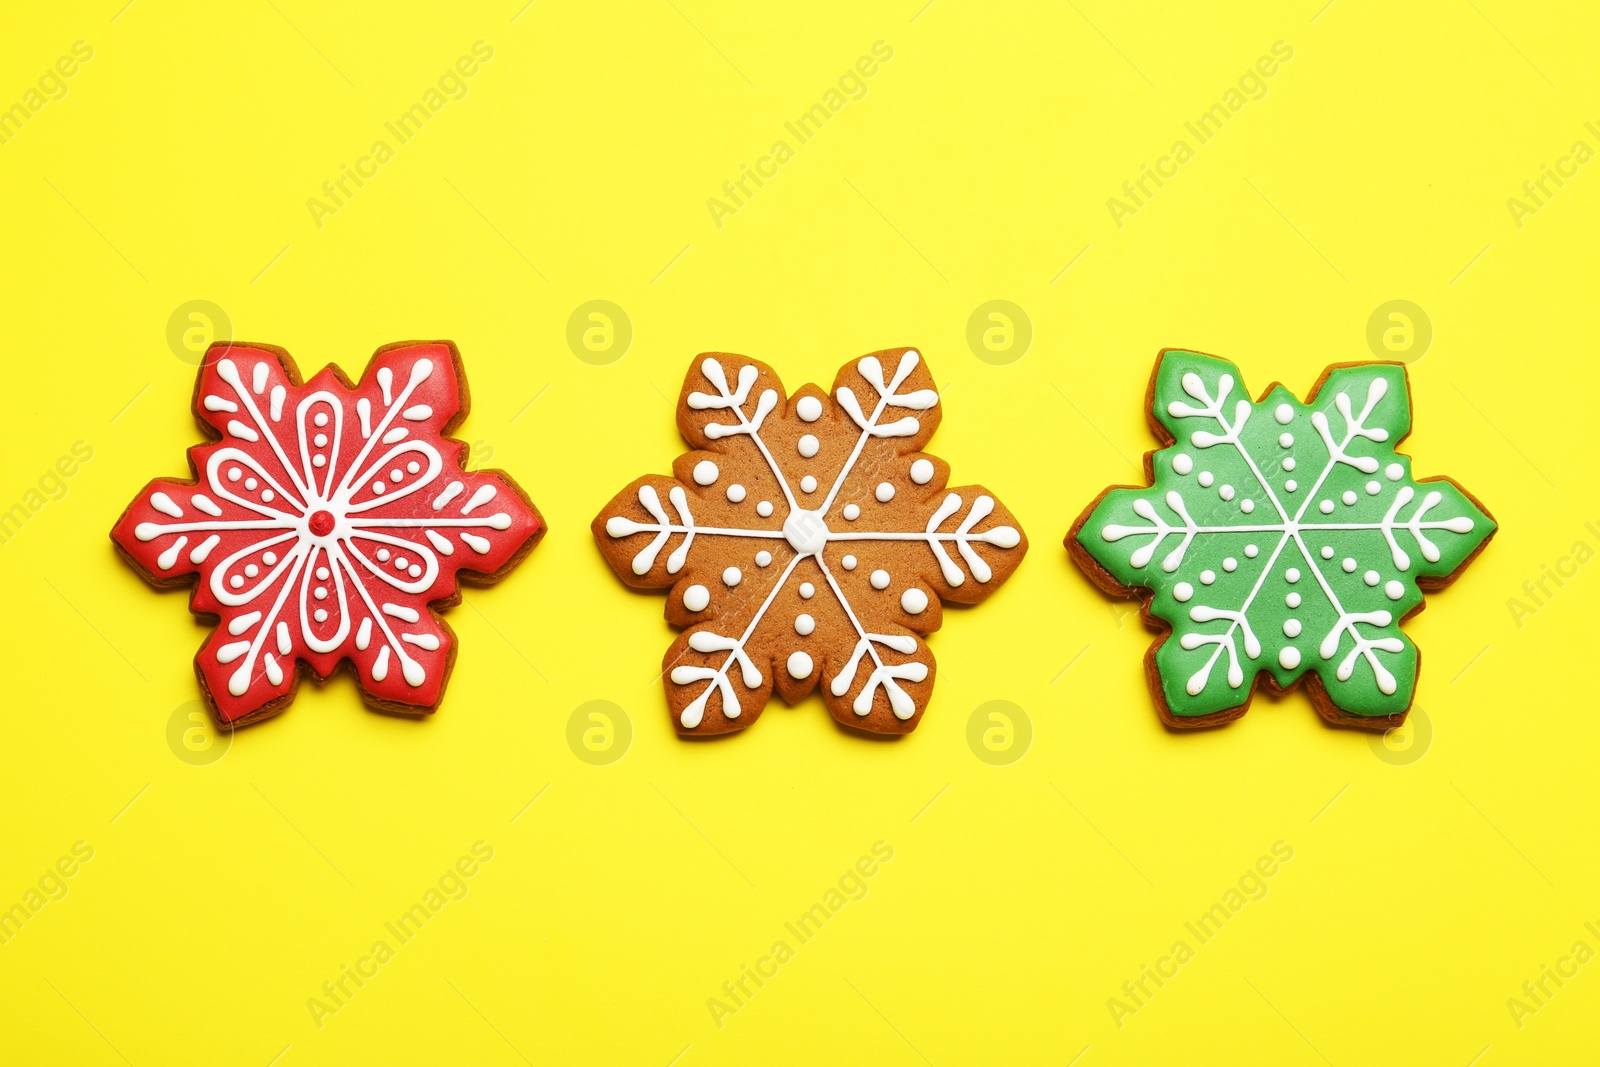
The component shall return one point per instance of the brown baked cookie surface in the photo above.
(806, 543)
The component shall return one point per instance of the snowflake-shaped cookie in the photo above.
(326, 523)
(1280, 537)
(807, 543)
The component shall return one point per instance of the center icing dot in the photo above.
(805, 531)
(322, 523)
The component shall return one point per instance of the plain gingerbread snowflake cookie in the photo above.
(1279, 539)
(326, 523)
(806, 543)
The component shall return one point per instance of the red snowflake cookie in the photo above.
(326, 522)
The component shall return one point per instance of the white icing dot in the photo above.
(1251, 551)
(1393, 590)
(1182, 463)
(1182, 592)
(1206, 478)
(378, 485)
(269, 558)
(764, 508)
(1292, 575)
(696, 597)
(763, 558)
(415, 571)
(1247, 505)
(1394, 472)
(884, 492)
(852, 512)
(267, 495)
(736, 493)
(320, 592)
(731, 576)
(1371, 577)
(383, 555)
(1348, 564)
(807, 590)
(320, 615)
(251, 570)
(880, 579)
(1230, 564)
(804, 625)
(319, 461)
(250, 484)
(1291, 485)
(809, 408)
(809, 445)
(1293, 600)
(808, 484)
(234, 474)
(413, 467)
(1326, 507)
(320, 418)
(1291, 627)
(922, 472)
(1283, 414)
(705, 472)
(237, 581)
(1226, 492)
(1207, 577)
(322, 574)
(1348, 496)
(1289, 658)
(321, 440)
(914, 601)
(395, 476)
(848, 563)
(1285, 440)
(1373, 488)
(1288, 463)
(800, 665)
(401, 563)
(1327, 551)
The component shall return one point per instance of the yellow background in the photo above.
(1421, 895)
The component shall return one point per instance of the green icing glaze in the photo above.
(1283, 537)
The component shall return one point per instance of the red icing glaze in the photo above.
(325, 521)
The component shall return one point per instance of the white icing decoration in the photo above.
(1206, 478)
(735, 493)
(1291, 627)
(1284, 414)
(804, 625)
(696, 598)
(800, 665)
(914, 601)
(1289, 657)
(705, 472)
(1371, 578)
(884, 492)
(807, 530)
(731, 577)
(1182, 592)
(1182, 463)
(1393, 590)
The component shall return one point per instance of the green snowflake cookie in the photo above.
(1281, 537)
